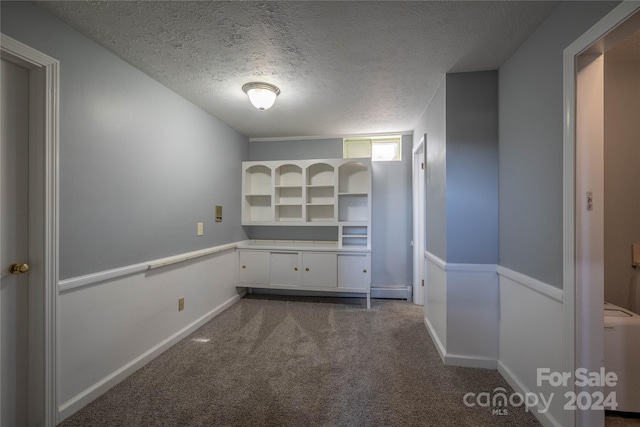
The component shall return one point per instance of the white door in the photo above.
(354, 271)
(285, 268)
(320, 270)
(14, 234)
(254, 267)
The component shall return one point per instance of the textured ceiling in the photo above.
(626, 50)
(344, 67)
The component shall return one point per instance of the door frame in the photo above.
(580, 322)
(44, 86)
(419, 211)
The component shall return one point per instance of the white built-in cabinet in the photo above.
(304, 266)
(254, 267)
(319, 192)
(328, 192)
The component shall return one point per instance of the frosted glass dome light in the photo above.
(261, 95)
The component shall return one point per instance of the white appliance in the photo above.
(622, 355)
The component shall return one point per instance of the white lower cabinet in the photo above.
(354, 271)
(306, 269)
(285, 268)
(320, 270)
(254, 267)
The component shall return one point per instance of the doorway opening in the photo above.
(419, 247)
(598, 171)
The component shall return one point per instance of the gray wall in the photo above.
(472, 167)
(621, 174)
(296, 150)
(392, 221)
(433, 123)
(462, 168)
(530, 135)
(139, 165)
(391, 217)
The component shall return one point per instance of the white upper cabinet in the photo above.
(333, 192)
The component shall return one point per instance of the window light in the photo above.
(379, 149)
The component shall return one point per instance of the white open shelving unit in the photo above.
(320, 192)
(328, 192)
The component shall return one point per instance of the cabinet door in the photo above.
(285, 268)
(254, 267)
(354, 271)
(319, 270)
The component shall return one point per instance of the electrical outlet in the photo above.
(180, 304)
(200, 229)
(635, 254)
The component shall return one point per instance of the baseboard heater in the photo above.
(392, 292)
(387, 292)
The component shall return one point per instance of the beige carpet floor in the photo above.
(287, 361)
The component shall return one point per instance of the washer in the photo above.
(622, 355)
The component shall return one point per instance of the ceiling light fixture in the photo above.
(261, 95)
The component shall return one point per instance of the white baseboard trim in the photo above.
(74, 404)
(546, 419)
(470, 361)
(436, 340)
(457, 359)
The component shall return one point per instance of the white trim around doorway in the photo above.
(574, 314)
(419, 164)
(43, 211)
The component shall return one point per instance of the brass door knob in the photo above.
(306, 269)
(295, 268)
(364, 271)
(18, 268)
(244, 266)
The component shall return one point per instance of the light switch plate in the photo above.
(181, 304)
(635, 254)
(200, 229)
(218, 213)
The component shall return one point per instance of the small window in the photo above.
(379, 149)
